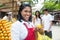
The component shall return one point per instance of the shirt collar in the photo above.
(25, 21)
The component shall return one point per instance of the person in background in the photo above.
(38, 25)
(8, 16)
(23, 28)
(14, 18)
(36, 19)
(47, 23)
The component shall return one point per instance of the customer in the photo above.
(47, 23)
(38, 25)
(37, 18)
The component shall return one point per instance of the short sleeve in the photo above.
(51, 18)
(18, 31)
(5, 17)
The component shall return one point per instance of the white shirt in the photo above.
(19, 31)
(37, 21)
(5, 17)
(46, 19)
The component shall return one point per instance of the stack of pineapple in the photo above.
(5, 30)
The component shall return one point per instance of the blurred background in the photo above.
(52, 5)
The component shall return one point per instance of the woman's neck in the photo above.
(24, 20)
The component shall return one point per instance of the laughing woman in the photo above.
(23, 28)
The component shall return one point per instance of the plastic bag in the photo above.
(42, 37)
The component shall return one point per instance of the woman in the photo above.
(23, 28)
(37, 19)
(38, 25)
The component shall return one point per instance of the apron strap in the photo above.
(25, 25)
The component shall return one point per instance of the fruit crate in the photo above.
(5, 30)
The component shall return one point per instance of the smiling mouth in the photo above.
(27, 17)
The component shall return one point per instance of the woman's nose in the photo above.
(28, 13)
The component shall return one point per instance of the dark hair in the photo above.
(38, 15)
(6, 14)
(45, 10)
(19, 16)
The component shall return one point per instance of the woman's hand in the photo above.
(36, 29)
(48, 30)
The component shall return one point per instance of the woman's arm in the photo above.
(33, 19)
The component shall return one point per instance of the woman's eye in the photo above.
(28, 11)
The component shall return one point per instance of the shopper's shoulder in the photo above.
(16, 23)
(50, 15)
(30, 22)
(16, 26)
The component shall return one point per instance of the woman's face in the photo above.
(26, 13)
(37, 13)
(9, 15)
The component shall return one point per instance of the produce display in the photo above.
(39, 26)
(43, 37)
(40, 33)
(5, 30)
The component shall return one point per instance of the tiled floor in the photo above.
(56, 32)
